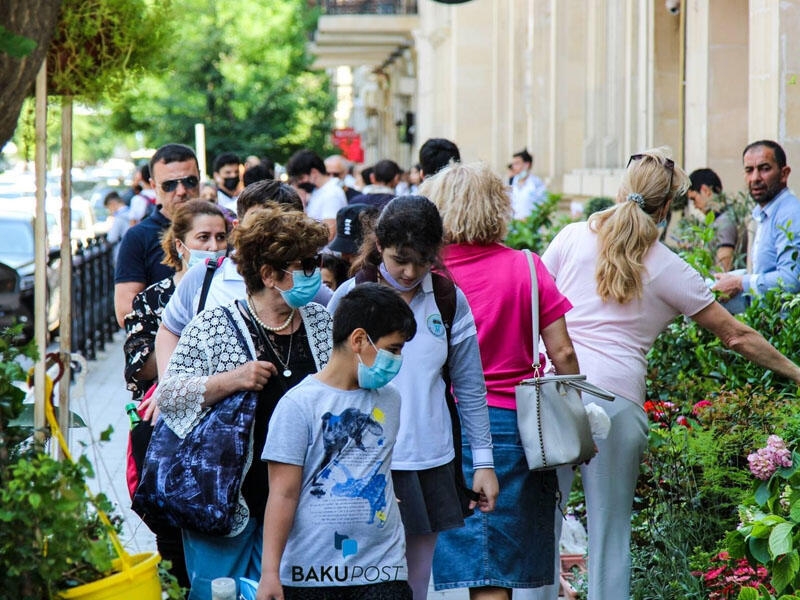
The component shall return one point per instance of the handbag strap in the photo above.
(534, 313)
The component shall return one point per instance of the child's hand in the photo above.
(485, 483)
(269, 587)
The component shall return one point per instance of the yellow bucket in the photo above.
(137, 582)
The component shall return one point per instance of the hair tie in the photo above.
(638, 198)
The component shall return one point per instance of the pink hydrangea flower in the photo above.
(765, 461)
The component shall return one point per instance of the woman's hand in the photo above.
(253, 376)
(148, 405)
(484, 481)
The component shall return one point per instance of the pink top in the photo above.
(497, 283)
(612, 339)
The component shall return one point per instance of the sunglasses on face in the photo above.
(309, 265)
(668, 163)
(189, 183)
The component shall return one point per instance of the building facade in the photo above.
(581, 84)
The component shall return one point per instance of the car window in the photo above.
(15, 238)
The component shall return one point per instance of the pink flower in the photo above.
(760, 464)
(700, 406)
(765, 461)
(682, 420)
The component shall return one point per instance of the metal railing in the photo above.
(368, 7)
(93, 319)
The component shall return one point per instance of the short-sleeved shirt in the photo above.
(612, 339)
(425, 439)
(347, 528)
(326, 201)
(140, 253)
(725, 231)
(497, 283)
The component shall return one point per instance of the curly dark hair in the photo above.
(274, 236)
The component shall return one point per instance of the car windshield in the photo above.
(15, 240)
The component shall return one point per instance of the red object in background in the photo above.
(348, 140)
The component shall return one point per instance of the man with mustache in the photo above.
(776, 248)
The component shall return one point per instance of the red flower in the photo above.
(698, 408)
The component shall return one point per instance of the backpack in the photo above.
(444, 294)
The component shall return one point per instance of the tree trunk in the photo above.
(35, 19)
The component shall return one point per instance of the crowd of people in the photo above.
(383, 325)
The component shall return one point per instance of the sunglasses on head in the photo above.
(309, 265)
(668, 163)
(189, 183)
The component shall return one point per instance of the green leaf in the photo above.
(747, 593)
(35, 500)
(759, 549)
(794, 511)
(762, 494)
(780, 540)
(16, 46)
(105, 435)
(784, 571)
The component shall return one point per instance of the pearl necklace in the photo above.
(266, 327)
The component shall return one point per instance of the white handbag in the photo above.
(552, 421)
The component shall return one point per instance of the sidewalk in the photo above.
(101, 404)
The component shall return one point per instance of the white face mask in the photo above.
(198, 256)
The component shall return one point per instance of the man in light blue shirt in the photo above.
(776, 248)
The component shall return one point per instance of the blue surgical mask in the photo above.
(662, 224)
(304, 288)
(396, 284)
(198, 256)
(382, 371)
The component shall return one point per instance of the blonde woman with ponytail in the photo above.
(626, 287)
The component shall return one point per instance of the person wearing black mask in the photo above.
(307, 172)
(227, 176)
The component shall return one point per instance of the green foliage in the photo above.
(243, 70)
(694, 475)
(53, 539)
(101, 45)
(16, 46)
(535, 232)
(597, 204)
(769, 532)
(695, 239)
(11, 395)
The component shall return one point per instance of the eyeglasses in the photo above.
(309, 265)
(189, 183)
(669, 164)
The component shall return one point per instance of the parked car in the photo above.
(17, 266)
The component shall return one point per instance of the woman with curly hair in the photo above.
(276, 253)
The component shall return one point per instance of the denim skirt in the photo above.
(513, 546)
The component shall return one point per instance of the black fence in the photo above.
(93, 317)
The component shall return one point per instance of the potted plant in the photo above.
(57, 540)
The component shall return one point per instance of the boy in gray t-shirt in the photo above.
(332, 527)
